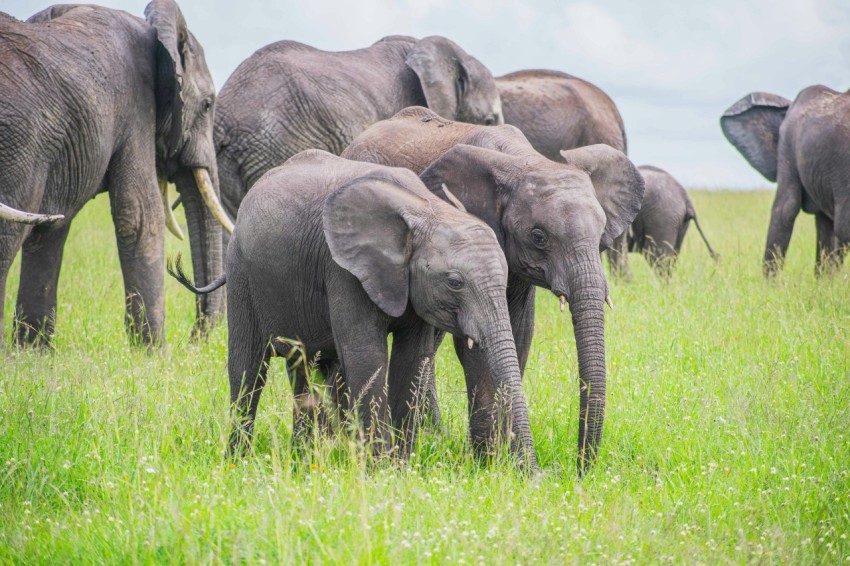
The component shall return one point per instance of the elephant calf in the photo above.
(338, 254)
(660, 226)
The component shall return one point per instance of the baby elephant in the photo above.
(339, 254)
(659, 228)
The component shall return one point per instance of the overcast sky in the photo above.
(672, 67)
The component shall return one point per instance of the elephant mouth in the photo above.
(562, 297)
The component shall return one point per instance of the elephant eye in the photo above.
(454, 281)
(206, 105)
(489, 120)
(539, 237)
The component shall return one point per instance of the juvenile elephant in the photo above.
(288, 97)
(557, 111)
(803, 147)
(551, 220)
(92, 100)
(660, 227)
(339, 254)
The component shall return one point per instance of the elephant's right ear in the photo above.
(438, 62)
(472, 175)
(618, 184)
(367, 225)
(752, 126)
(171, 61)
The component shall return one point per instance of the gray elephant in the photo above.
(92, 100)
(803, 147)
(288, 97)
(339, 254)
(557, 111)
(659, 228)
(551, 219)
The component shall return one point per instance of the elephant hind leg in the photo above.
(41, 260)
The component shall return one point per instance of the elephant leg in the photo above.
(786, 206)
(41, 260)
(11, 237)
(411, 375)
(248, 356)
(139, 218)
(661, 250)
(618, 256)
(827, 258)
(360, 337)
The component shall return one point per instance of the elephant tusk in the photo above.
(21, 217)
(170, 221)
(470, 343)
(563, 300)
(205, 186)
(609, 302)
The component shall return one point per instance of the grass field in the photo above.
(727, 437)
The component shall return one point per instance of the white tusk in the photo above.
(563, 302)
(21, 217)
(205, 186)
(470, 343)
(609, 302)
(453, 199)
(170, 221)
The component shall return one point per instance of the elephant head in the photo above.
(406, 247)
(455, 84)
(552, 220)
(752, 126)
(185, 151)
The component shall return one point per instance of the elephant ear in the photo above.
(368, 227)
(438, 62)
(752, 126)
(618, 184)
(173, 53)
(472, 175)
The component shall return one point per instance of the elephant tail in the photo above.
(711, 251)
(175, 269)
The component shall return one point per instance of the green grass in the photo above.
(727, 437)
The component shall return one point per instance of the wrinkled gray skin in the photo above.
(803, 147)
(340, 254)
(93, 100)
(288, 97)
(659, 228)
(551, 220)
(557, 111)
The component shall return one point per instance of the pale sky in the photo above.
(672, 67)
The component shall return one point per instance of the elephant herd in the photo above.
(400, 189)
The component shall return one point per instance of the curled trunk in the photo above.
(587, 298)
(205, 241)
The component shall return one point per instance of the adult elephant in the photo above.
(557, 111)
(802, 145)
(659, 228)
(288, 97)
(551, 219)
(91, 100)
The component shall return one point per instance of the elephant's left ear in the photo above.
(439, 64)
(618, 185)
(172, 54)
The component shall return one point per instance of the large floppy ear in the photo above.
(752, 126)
(618, 185)
(438, 62)
(173, 51)
(368, 226)
(472, 174)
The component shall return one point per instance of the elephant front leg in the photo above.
(11, 236)
(137, 212)
(35, 312)
(411, 380)
(786, 207)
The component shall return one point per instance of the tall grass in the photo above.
(727, 437)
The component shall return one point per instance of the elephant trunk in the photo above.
(588, 294)
(205, 242)
(500, 351)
